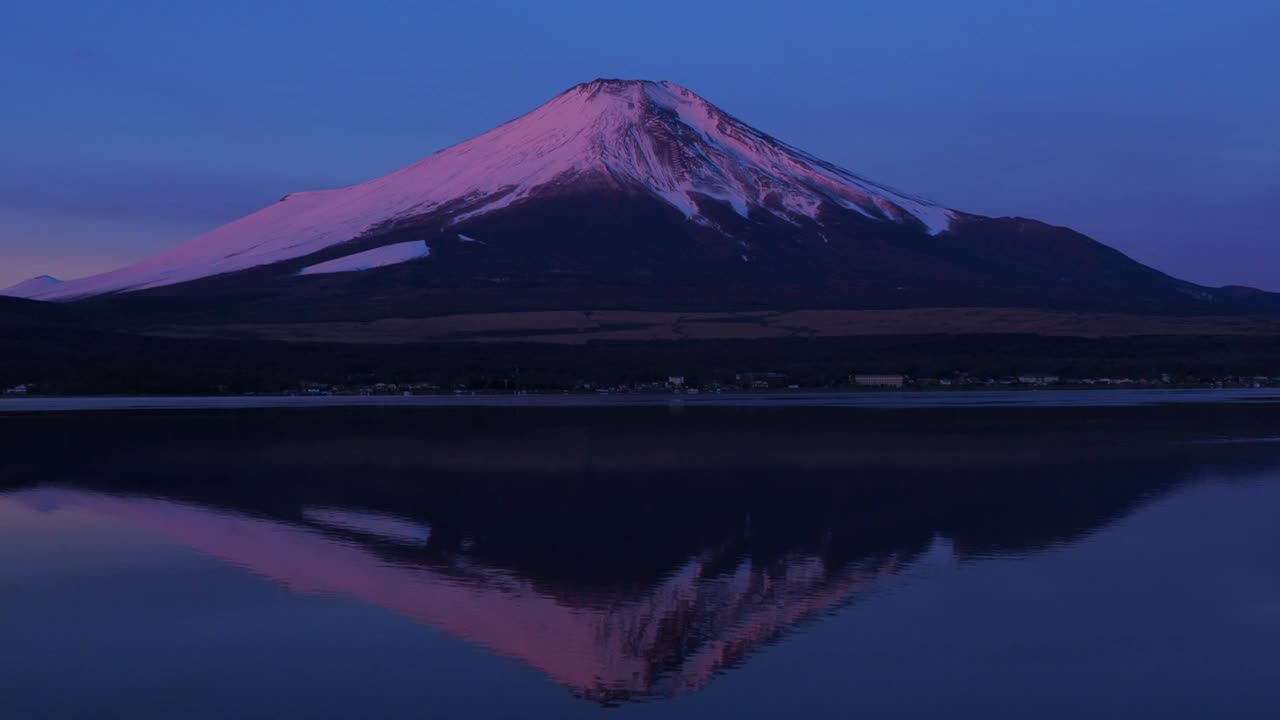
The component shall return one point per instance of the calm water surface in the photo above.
(1046, 562)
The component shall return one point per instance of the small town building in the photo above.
(1039, 379)
(761, 380)
(883, 380)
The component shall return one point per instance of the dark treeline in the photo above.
(73, 361)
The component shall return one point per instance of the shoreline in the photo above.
(798, 399)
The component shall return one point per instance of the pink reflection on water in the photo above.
(628, 647)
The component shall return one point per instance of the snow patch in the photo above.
(369, 259)
(658, 138)
(389, 527)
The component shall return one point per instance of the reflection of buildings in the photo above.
(670, 639)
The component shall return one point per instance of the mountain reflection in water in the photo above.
(624, 554)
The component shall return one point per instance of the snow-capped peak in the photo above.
(666, 140)
(655, 137)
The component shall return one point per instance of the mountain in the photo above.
(626, 195)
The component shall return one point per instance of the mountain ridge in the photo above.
(587, 133)
(619, 189)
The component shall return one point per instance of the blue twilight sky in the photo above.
(127, 127)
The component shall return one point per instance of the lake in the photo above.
(992, 559)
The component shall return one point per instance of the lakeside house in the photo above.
(1039, 379)
(760, 380)
(881, 380)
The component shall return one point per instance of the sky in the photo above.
(128, 127)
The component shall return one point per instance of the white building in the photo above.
(880, 380)
(1039, 379)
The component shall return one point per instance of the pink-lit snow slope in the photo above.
(656, 137)
(643, 645)
(369, 259)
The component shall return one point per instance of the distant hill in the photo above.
(18, 313)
